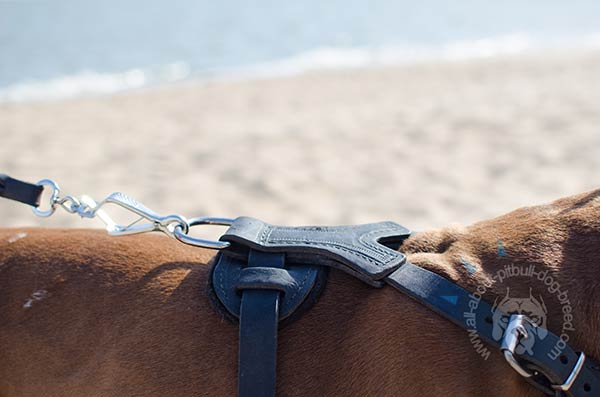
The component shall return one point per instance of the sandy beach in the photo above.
(424, 144)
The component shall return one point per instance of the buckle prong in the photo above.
(515, 331)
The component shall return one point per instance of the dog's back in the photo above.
(87, 314)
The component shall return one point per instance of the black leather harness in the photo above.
(271, 273)
(268, 275)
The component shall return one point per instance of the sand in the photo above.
(424, 144)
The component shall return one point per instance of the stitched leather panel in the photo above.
(306, 283)
(357, 249)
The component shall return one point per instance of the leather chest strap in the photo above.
(259, 315)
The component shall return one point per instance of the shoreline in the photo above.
(424, 144)
(91, 84)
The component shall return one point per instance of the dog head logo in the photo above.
(531, 307)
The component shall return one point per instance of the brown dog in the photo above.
(84, 314)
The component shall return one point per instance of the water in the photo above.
(57, 49)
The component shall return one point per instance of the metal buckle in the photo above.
(514, 332)
(573, 375)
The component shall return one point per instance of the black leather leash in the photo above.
(14, 189)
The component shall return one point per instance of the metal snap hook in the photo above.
(154, 222)
(173, 225)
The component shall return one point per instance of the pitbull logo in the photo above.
(531, 307)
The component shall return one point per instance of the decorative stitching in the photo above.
(222, 272)
(308, 273)
(322, 242)
(378, 263)
(386, 255)
(380, 233)
(265, 231)
(221, 287)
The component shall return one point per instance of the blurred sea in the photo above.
(51, 49)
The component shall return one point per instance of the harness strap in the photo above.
(17, 190)
(259, 315)
(271, 278)
(367, 252)
(552, 365)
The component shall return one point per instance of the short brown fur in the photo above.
(130, 316)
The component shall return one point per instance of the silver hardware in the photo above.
(512, 336)
(53, 198)
(165, 224)
(174, 225)
(95, 211)
(198, 242)
(573, 375)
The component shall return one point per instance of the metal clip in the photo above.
(165, 224)
(175, 226)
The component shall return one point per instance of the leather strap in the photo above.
(17, 190)
(474, 314)
(367, 252)
(266, 278)
(259, 315)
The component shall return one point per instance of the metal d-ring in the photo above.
(180, 235)
(53, 198)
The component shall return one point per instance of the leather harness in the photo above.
(276, 267)
(268, 275)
